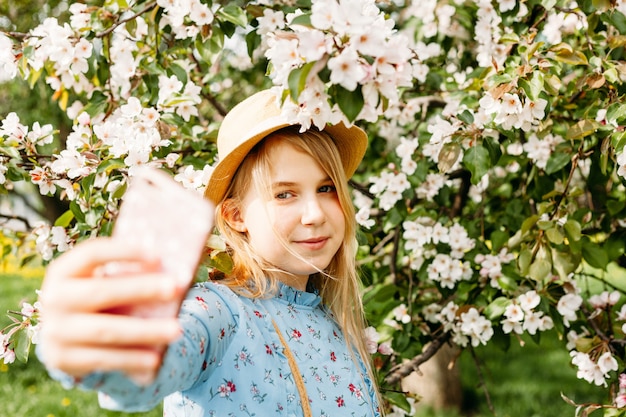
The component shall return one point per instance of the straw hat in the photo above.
(255, 118)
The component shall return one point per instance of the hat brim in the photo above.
(351, 144)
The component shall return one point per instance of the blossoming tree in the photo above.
(491, 199)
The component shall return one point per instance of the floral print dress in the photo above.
(230, 361)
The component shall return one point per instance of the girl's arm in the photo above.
(209, 318)
(88, 341)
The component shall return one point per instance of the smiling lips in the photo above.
(313, 243)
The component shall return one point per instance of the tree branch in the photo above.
(17, 35)
(402, 370)
(4, 218)
(105, 32)
(482, 381)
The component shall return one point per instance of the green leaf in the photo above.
(508, 284)
(572, 230)
(614, 18)
(398, 399)
(78, 213)
(208, 49)
(601, 5)
(540, 270)
(131, 26)
(109, 165)
(179, 72)
(222, 262)
(33, 76)
(496, 308)
(119, 191)
(97, 104)
(253, 40)
(448, 155)
(571, 57)
(477, 161)
(493, 146)
(564, 263)
(615, 246)
(581, 129)
(234, 14)
(615, 113)
(65, 219)
(555, 235)
(22, 345)
(394, 218)
(302, 20)
(529, 223)
(498, 239)
(509, 37)
(466, 116)
(545, 224)
(86, 184)
(594, 255)
(534, 86)
(297, 80)
(523, 261)
(350, 102)
(557, 161)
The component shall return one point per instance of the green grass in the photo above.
(524, 381)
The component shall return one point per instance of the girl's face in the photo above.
(301, 227)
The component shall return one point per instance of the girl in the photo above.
(280, 335)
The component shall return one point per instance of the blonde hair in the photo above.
(339, 284)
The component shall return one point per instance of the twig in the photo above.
(22, 219)
(594, 325)
(128, 19)
(216, 104)
(482, 382)
(383, 242)
(561, 197)
(17, 35)
(402, 370)
(394, 254)
(362, 189)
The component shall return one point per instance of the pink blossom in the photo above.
(385, 348)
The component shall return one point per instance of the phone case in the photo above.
(165, 219)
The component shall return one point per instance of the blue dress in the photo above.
(230, 361)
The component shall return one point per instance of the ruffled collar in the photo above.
(310, 297)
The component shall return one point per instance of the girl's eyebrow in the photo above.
(283, 184)
(292, 183)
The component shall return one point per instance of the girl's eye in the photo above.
(327, 189)
(284, 195)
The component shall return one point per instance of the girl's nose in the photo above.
(313, 213)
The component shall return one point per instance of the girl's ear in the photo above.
(232, 215)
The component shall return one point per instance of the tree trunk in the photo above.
(439, 385)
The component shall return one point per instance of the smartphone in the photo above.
(164, 219)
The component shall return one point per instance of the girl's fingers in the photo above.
(99, 294)
(103, 274)
(80, 360)
(89, 255)
(109, 330)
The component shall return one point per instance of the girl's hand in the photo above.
(83, 327)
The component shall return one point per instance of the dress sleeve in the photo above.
(209, 318)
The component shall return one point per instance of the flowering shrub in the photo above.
(491, 198)
(17, 337)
